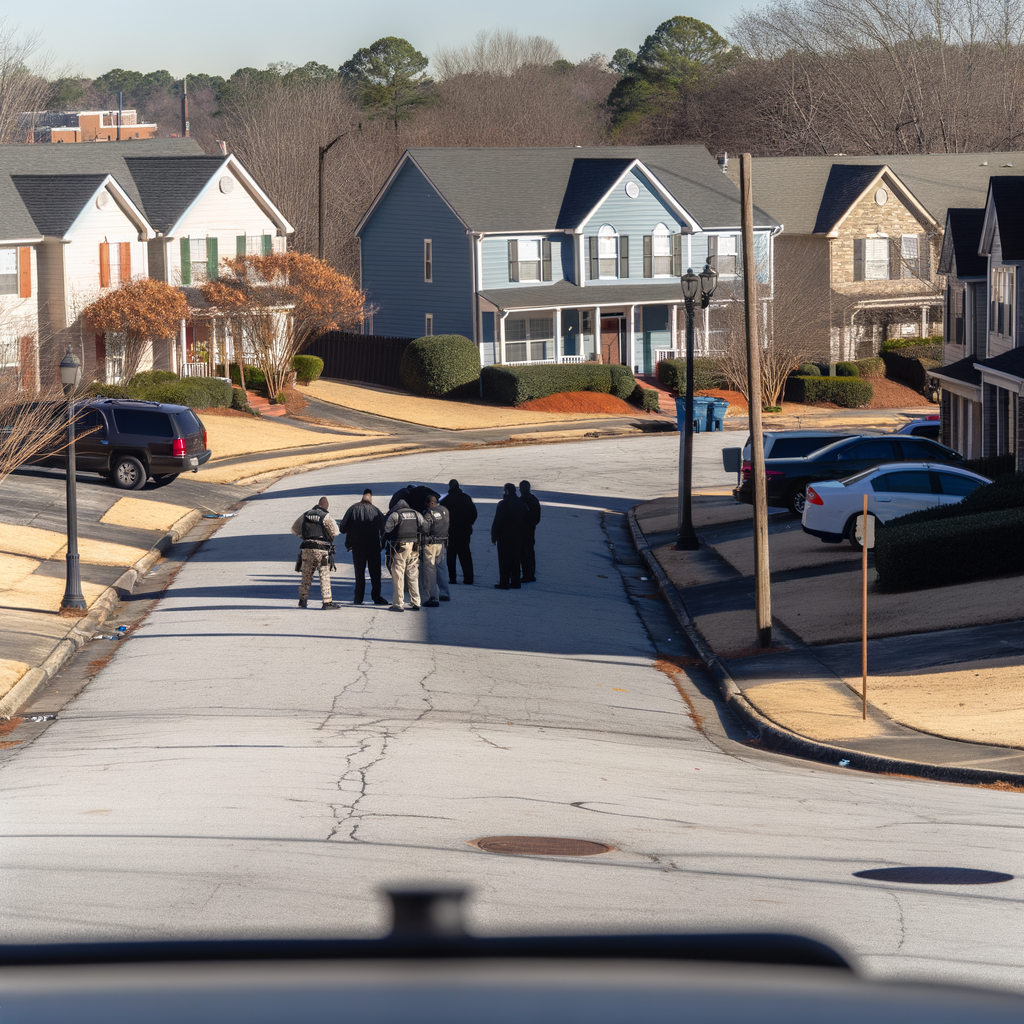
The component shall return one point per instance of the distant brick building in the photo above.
(86, 126)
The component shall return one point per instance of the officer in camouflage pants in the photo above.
(317, 530)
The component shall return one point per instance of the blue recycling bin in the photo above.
(716, 414)
(700, 413)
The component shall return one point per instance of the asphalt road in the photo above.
(242, 766)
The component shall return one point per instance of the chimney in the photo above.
(723, 162)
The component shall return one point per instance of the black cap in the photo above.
(367, 491)
(453, 485)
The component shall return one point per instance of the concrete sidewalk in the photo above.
(944, 699)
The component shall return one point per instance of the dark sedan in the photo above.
(788, 478)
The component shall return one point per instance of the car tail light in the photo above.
(745, 469)
(812, 497)
(178, 447)
(205, 446)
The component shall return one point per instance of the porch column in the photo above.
(632, 339)
(597, 333)
(179, 356)
(673, 327)
(924, 321)
(558, 334)
(501, 336)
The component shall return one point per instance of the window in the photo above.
(254, 245)
(114, 263)
(880, 450)
(428, 325)
(661, 251)
(922, 450)
(608, 252)
(529, 339)
(953, 483)
(909, 253)
(91, 423)
(428, 262)
(726, 255)
(1002, 301)
(529, 259)
(876, 258)
(142, 421)
(8, 271)
(904, 482)
(197, 257)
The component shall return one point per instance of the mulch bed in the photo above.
(580, 401)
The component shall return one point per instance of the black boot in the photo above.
(303, 603)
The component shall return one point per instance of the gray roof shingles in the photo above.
(168, 185)
(962, 370)
(521, 189)
(1011, 362)
(54, 201)
(1008, 199)
(846, 183)
(963, 236)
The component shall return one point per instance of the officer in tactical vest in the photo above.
(402, 530)
(432, 557)
(317, 530)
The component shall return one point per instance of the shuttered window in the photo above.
(513, 259)
(726, 251)
(608, 252)
(661, 252)
(529, 259)
(428, 325)
(876, 259)
(104, 265)
(8, 271)
(595, 272)
(1002, 300)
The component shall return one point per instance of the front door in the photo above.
(611, 333)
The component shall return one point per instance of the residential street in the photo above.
(242, 766)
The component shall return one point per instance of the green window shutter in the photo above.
(513, 260)
(858, 259)
(677, 255)
(186, 261)
(545, 260)
(648, 256)
(624, 256)
(268, 245)
(595, 267)
(212, 261)
(239, 245)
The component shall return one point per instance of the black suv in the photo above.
(788, 478)
(129, 441)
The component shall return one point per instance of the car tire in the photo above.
(164, 479)
(797, 499)
(128, 473)
(851, 530)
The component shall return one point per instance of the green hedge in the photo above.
(807, 370)
(647, 398)
(909, 556)
(874, 366)
(623, 381)
(443, 364)
(255, 380)
(896, 344)
(993, 466)
(307, 368)
(513, 385)
(195, 392)
(850, 392)
(148, 377)
(911, 366)
(847, 370)
(1005, 493)
(707, 375)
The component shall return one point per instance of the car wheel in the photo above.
(164, 479)
(851, 531)
(797, 499)
(129, 473)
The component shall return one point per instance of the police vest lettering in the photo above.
(408, 529)
(438, 525)
(314, 533)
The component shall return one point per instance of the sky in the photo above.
(219, 37)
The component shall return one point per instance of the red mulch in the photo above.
(890, 394)
(580, 401)
(734, 398)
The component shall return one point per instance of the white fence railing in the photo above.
(543, 362)
(667, 353)
(196, 370)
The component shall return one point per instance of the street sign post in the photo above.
(864, 530)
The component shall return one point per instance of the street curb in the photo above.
(778, 738)
(101, 609)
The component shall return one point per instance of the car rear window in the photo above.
(929, 430)
(143, 421)
(953, 483)
(798, 447)
(188, 422)
(917, 448)
(904, 481)
(875, 449)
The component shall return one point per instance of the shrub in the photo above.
(647, 398)
(707, 375)
(849, 392)
(910, 555)
(179, 392)
(307, 368)
(444, 364)
(147, 377)
(97, 390)
(807, 370)
(239, 401)
(895, 344)
(847, 370)
(217, 392)
(255, 380)
(513, 385)
(910, 366)
(995, 467)
(872, 367)
(623, 381)
(1005, 493)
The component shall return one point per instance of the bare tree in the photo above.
(498, 52)
(21, 90)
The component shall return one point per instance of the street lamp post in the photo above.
(73, 603)
(691, 283)
(320, 189)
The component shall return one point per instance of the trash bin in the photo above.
(716, 414)
(700, 413)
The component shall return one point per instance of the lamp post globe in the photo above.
(708, 283)
(690, 284)
(73, 603)
(70, 371)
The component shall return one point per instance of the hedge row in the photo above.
(1005, 493)
(994, 467)
(952, 550)
(896, 344)
(646, 398)
(874, 366)
(513, 385)
(911, 366)
(195, 392)
(707, 376)
(440, 365)
(849, 392)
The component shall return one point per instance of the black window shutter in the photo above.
(677, 255)
(896, 261)
(513, 260)
(713, 252)
(648, 256)
(924, 260)
(858, 258)
(545, 256)
(595, 270)
(624, 256)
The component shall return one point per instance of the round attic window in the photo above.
(881, 197)
(103, 200)
(226, 184)
(632, 189)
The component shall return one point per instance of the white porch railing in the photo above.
(572, 359)
(543, 362)
(196, 370)
(667, 353)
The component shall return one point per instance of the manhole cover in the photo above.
(935, 876)
(541, 846)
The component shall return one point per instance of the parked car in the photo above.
(794, 444)
(893, 490)
(926, 427)
(787, 479)
(128, 441)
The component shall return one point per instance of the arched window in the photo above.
(661, 251)
(608, 251)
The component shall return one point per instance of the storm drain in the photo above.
(541, 846)
(935, 876)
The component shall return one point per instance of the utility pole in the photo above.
(320, 189)
(184, 107)
(120, 113)
(762, 579)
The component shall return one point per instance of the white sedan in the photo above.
(893, 490)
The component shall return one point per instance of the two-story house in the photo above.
(555, 255)
(94, 217)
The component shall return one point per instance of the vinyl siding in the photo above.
(495, 261)
(391, 252)
(998, 343)
(19, 317)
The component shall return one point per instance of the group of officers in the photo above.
(425, 539)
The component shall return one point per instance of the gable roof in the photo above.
(960, 244)
(1010, 364)
(963, 370)
(790, 188)
(526, 190)
(846, 184)
(54, 201)
(1005, 207)
(589, 182)
(169, 185)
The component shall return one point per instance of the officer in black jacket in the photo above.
(317, 530)
(462, 515)
(507, 532)
(432, 554)
(363, 526)
(528, 557)
(403, 529)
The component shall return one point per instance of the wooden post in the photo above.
(864, 616)
(762, 579)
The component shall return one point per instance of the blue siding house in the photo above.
(558, 254)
